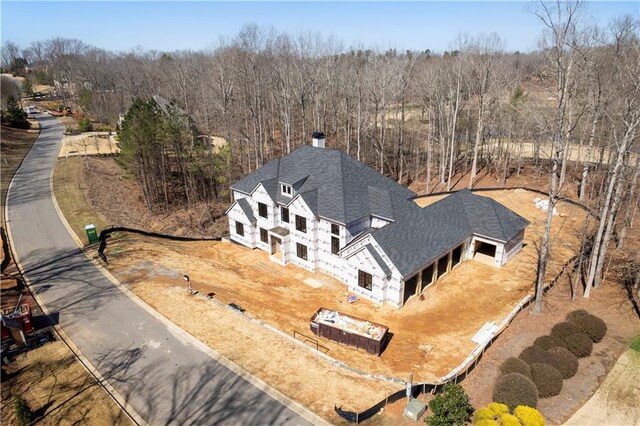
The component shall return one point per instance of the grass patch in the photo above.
(635, 343)
(69, 189)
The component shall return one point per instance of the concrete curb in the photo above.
(185, 336)
(88, 366)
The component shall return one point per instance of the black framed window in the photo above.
(335, 229)
(365, 280)
(301, 223)
(239, 229)
(335, 245)
(262, 210)
(301, 251)
(264, 235)
(284, 214)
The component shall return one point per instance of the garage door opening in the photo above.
(410, 288)
(485, 252)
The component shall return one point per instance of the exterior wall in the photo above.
(387, 289)
(378, 223)
(260, 195)
(237, 195)
(499, 249)
(237, 215)
(331, 264)
(356, 227)
(309, 238)
(261, 245)
(512, 247)
(365, 262)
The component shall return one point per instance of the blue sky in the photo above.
(174, 25)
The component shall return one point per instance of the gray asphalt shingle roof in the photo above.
(378, 259)
(246, 209)
(422, 235)
(337, 187)
(333, 184)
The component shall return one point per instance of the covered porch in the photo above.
(279, 245)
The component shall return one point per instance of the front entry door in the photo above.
(276, 246)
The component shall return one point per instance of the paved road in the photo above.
(165, 379)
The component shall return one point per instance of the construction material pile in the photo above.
(349, 324)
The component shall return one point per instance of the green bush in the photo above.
(564, 329)
(104, 128)
(576, 314)
(24, 415)
(451, 407)
(534, 354)
(564, 361)
(85, 125)
(547, 379)
(515, 365)
(14, 116)
(579, 344)
(515, 389)
(548, 342)
(592, 326)
(635, 343)
(529, 416)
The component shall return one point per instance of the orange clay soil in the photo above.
(452, 311)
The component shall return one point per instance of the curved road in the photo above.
(163, 377)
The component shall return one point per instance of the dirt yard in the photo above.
(430, 336)
(576, 152)
(89, 143)
(58, 389)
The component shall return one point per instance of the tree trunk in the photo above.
(587, 160)
(631, 203)
(615, 204)
(606, 206)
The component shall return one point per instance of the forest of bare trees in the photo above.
(416, 116)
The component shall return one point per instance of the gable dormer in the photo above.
(286, 190)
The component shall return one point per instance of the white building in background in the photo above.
(322, 210)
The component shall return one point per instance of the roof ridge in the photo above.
(462, 194)
(344, 207)
(494, 205)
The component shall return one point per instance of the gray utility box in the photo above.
(414, 409)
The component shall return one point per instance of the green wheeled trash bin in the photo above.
(92, 233)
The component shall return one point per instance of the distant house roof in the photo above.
(166, 104)
(333, 184)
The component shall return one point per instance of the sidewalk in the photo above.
(616, 402)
